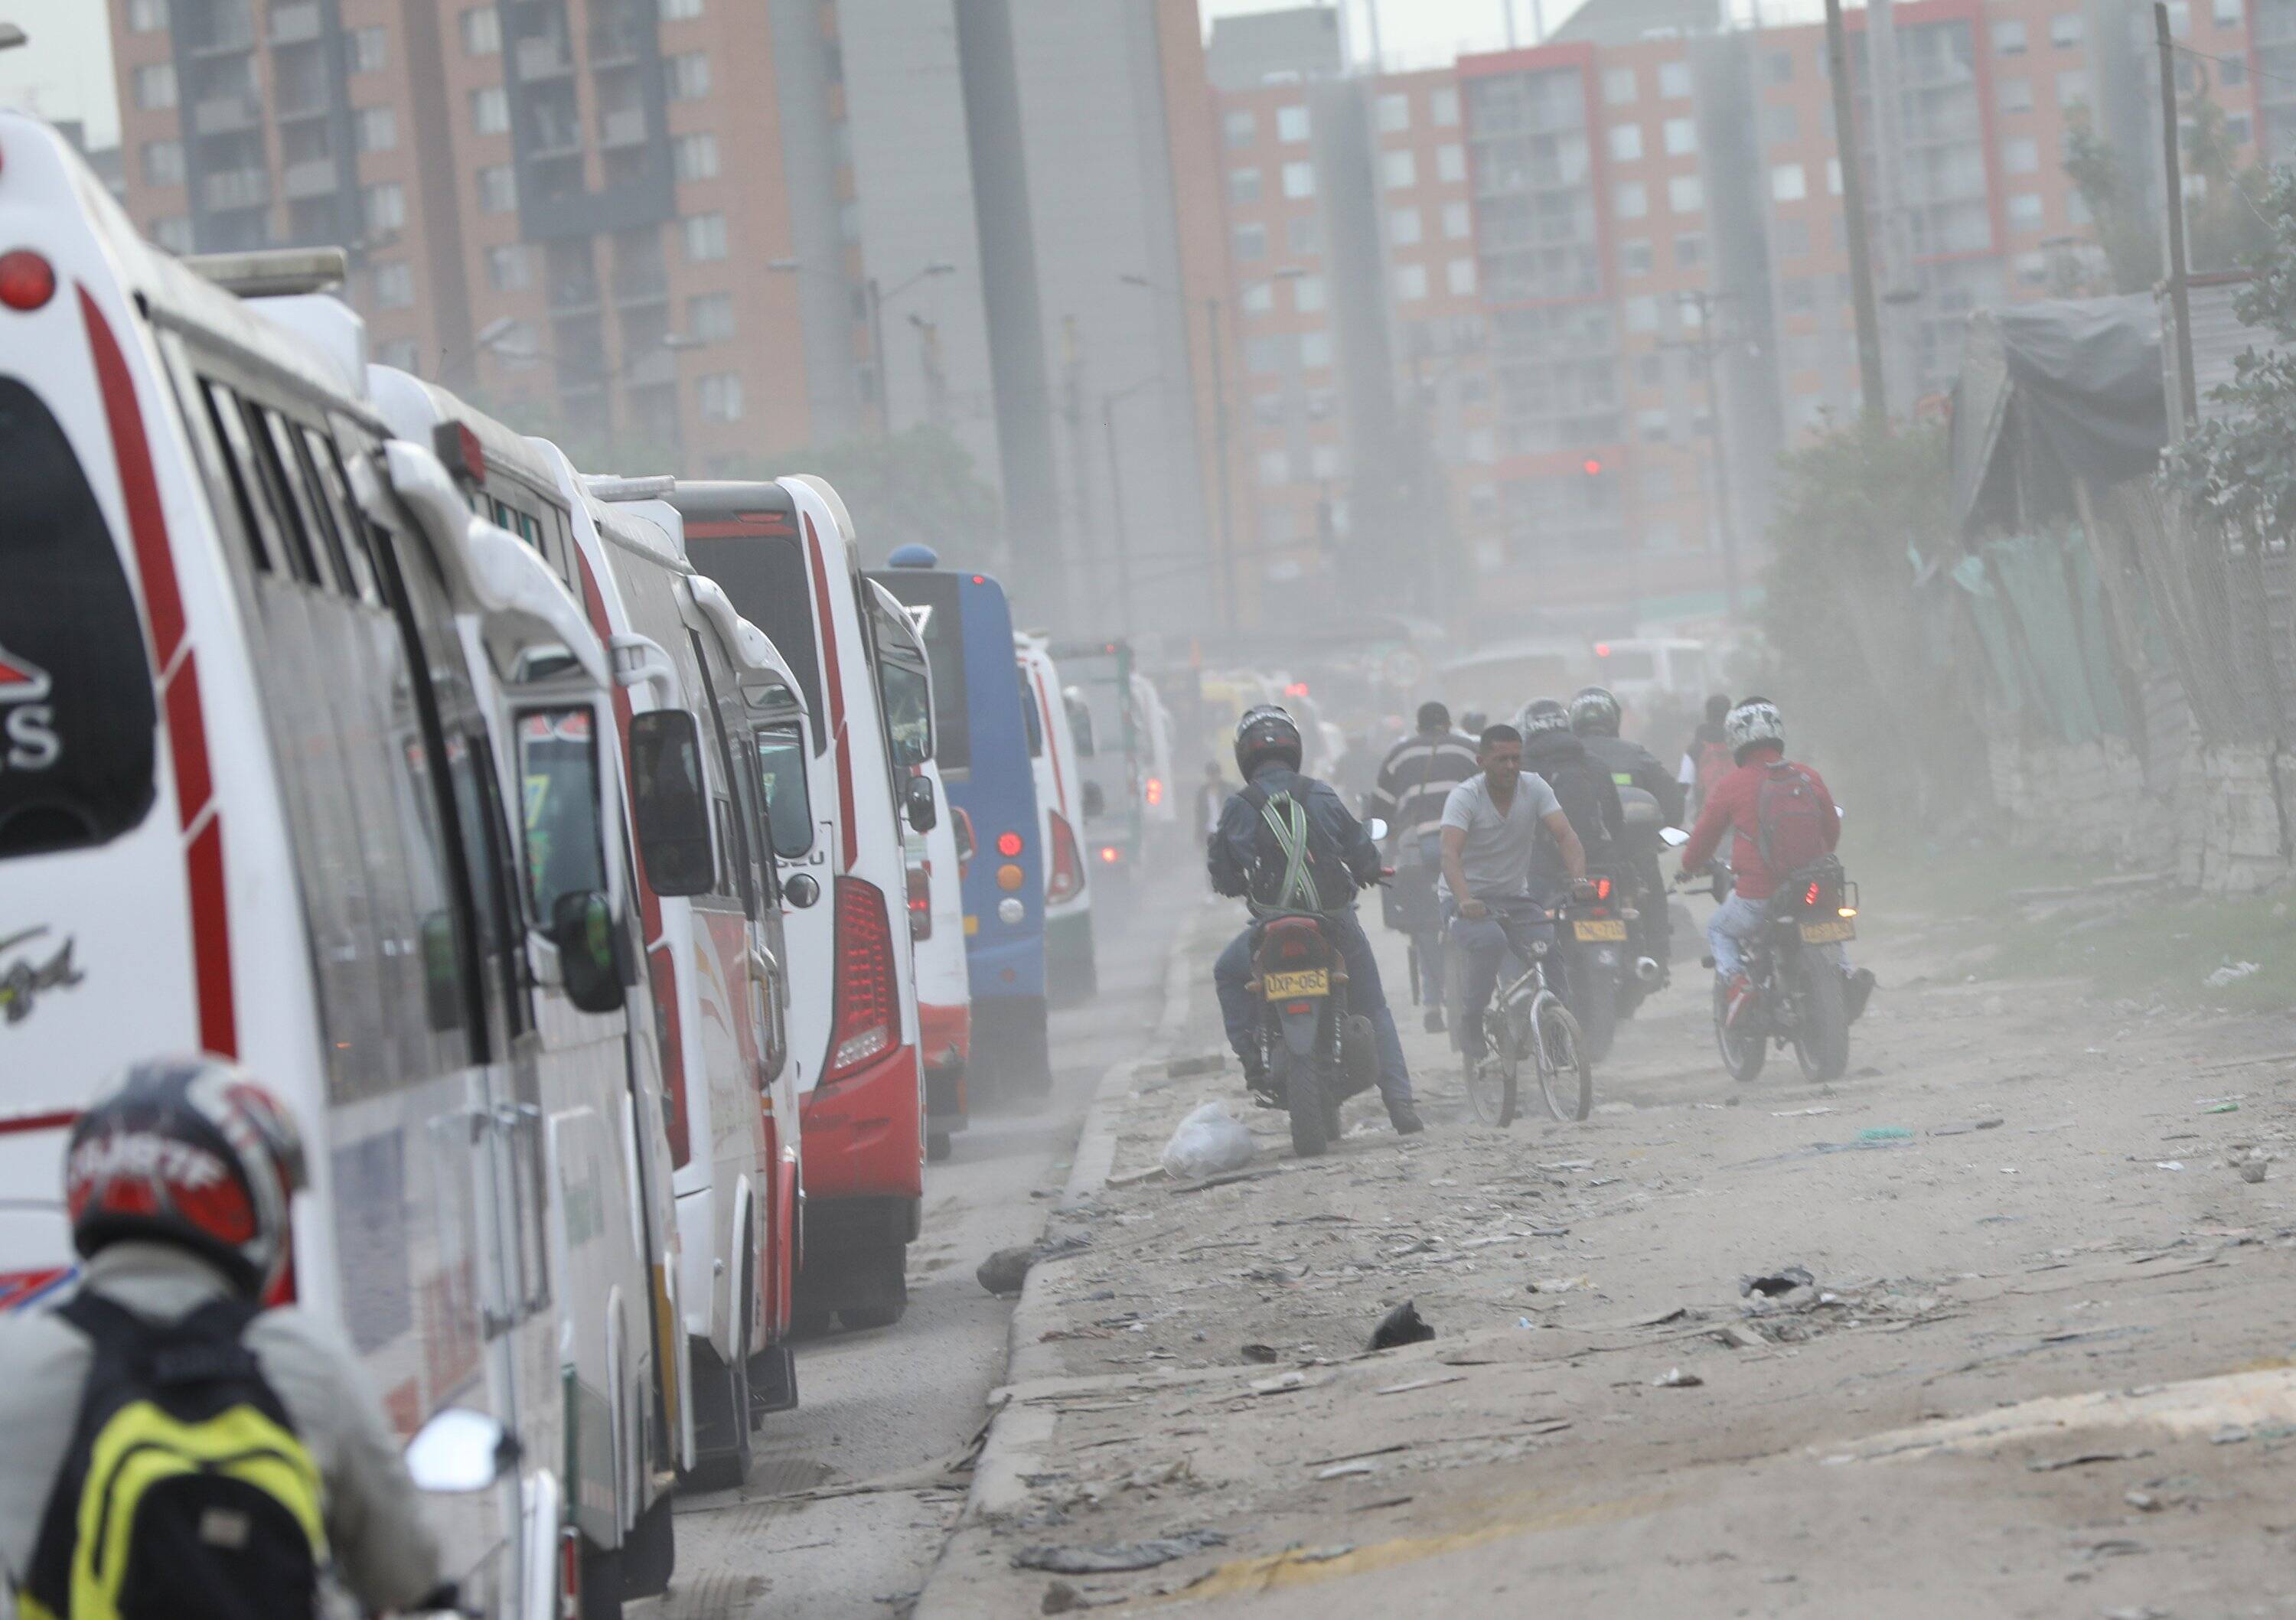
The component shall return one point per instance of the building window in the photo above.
(1315, 348)
(370, 51)
(2009, 39)
(2020, 156)
(2025, 211)
(1778, 67)
(1673, 80)
(163, 163)
(508, 268)
(1788, 183)
(155, 86)
(705, 238)
(1275, 468)
(481, 28)
(687, 76)
(1641, 314)
(173, 232)
(1308, 295)
(384, 206)
(1635, 257)
(1625, 143)
(1459, 276)
(1632, 199)
(375, 128)
(709, 317)
(1451, 162)
(1443, 105)
(1298, 181)
(146, 16)
(394, 286)
(1834, 177)
(1689, 249)
(694, 157)
(720, 396)
(1458, 221)
(2227, 13)
(490, 111)
(497, 189)
(1684, 195)
(1291, 124)
(1241, 128)
(1394, 112)
(1403, 226)
(1303, 236)
(1244, 185)
(1411, 282)
(2065, 31)
(1619, 87)
(1265, 355)
(1681, 138)
(1398, 169)
(680, 10)
(2014, 95)
(2072, 88)
(1250, 243)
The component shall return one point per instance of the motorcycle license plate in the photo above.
(1310, 981)
(1599, 927)
(1828, 933)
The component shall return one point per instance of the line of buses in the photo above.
(620, 884)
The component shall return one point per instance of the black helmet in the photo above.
(1594, 712)
(1434, 718)
(1543, 715)
(189, 1152)
(1265, 731)
(1473, 721)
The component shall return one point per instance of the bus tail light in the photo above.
(921, 901)
(1066, 880)
(1008, 844)
(26, 279)
(867, 1015)
(1155, 791)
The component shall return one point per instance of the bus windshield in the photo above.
(933, 605)
(765, 577)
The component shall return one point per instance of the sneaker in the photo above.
(1434, 1020)
(1739, 1000)
(1256, 1082)
(1858, 985)
(1405, 1118)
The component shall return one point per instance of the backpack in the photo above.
(1577, 784)
(1790, 817)
(186, 1493)
(1295, 864)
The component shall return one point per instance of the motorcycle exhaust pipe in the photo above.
(1647, 970)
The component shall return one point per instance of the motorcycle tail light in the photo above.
(1811, 898)
(1292, 947)
(1299, 1007)
(1601, 889)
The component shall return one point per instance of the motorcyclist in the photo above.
(1757, 736)
(1267, 754)
(1595, 718)
(1588, 796)
(178, 1179)
(1415, 780)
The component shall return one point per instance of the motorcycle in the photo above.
(1316, 1051)
(1609, 976)
(1801, 1000)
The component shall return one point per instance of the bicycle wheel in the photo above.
(1491, 1086)
(1566, 1079)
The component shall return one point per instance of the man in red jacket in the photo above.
(1805, 827)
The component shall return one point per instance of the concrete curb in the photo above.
(1017, 1435)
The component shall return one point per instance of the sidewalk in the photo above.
(2003, 1202)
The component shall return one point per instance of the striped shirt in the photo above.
(1417, 776)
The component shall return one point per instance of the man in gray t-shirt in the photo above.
(1490, 834)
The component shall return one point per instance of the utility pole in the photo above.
(1896, 270)
(1231, 611)
(1116, 504)
(1725, 519)
(2180, 303)
(877, 353)
(1853, 207)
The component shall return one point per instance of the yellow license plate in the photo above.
(1311, 981)
(1599, 929)
(1828, 933)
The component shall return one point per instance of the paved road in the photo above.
(881, 1404)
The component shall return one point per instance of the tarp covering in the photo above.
(2089, 372)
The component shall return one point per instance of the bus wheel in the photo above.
(884, 1279)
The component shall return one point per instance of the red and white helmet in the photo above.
(190, 1151)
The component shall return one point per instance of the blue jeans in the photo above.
(1485, 942)
(1738, 920)
(1427, 945)
(1232, 973)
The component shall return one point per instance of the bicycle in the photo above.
(1527, 1020)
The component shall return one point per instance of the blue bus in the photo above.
(981, 746)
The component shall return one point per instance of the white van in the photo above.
(786, 555)
(246, 806)
(1071, 972)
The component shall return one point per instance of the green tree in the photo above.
(2224, 225)
(919, 484)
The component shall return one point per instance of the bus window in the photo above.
(76, 712)
(789, 806)
(1080, 721)
(264, 544)
(338, 511)
(558, 782)
(294, 482)
(765, 577)
(1029, 713)
(935, 608)
(908, 711)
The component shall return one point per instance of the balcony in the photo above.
(543, 57)
(556, 133)
(652, 369)
(242, 188)
(294, 24)
(226, 115)
(617, 42)
(624, 127)
(569, 293)
(313, 177)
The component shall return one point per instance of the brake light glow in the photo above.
(867, 1007)
(1155, 791)
(1008, 845)
(1065, 880)
(26, 279)
(921, 901)
(1110, 854)
(1811, 897)
(1601, 889)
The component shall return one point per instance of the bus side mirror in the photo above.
(924, 814)
(671, 803)
(589, 951)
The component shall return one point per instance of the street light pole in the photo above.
(1718, 452)
(1232, 613)
(1116, 499)
(877, 359)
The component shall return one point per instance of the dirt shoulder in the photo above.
(2019, 1194)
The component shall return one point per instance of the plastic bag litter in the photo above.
(1208, 1141)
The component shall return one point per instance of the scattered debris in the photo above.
(2251, 1170)
(2050, 1465)
(1117, 1556)
(1282, 1383)
(1965, 1128)
(1561, 1285)
(2231, 1434)
(1401, 1326)
(1003, 1272)
(1060, 1599)
(1376, 1450)
(1738, 1336)
(1323, 1555)
(1133, 1178)
(1785, 1280)
(1798, 1113)
(2232, 973)
(1347, 1470)
(1387, 1501)
(1210, 1140)
(1674, 1377)
(2144, 1502)
(1659, 1319)
(1261, 1353)
(2222, 1107)
(2168, 1164)
(1456, 1377)
(1884, 1133)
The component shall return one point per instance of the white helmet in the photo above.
(1754, 720)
